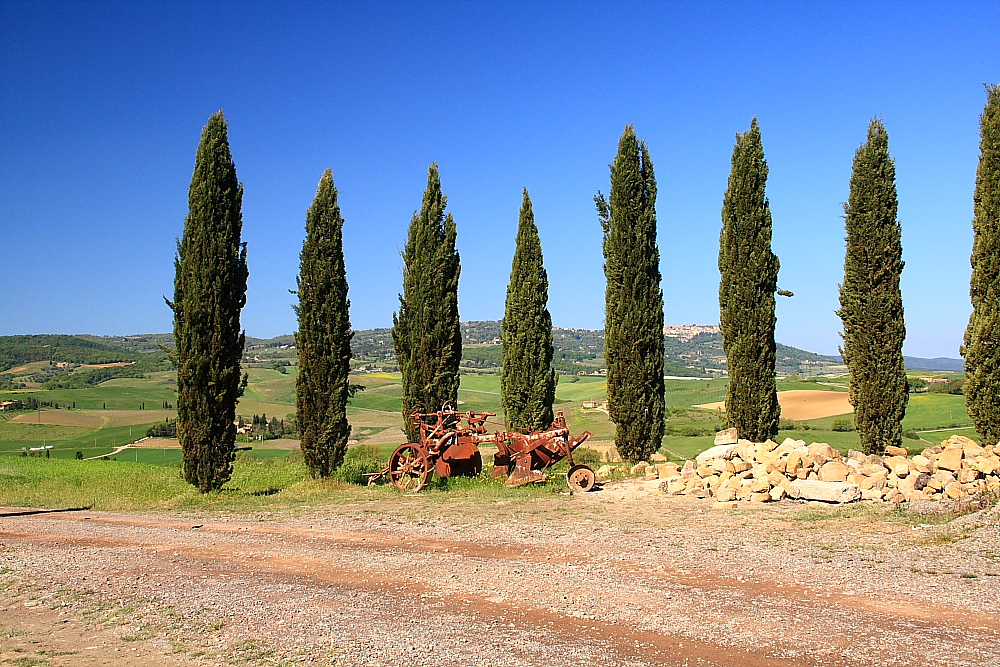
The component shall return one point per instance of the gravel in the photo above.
(623, 576)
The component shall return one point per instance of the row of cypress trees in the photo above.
(871, 305)
(211, 279)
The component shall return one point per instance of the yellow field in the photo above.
(804, 404)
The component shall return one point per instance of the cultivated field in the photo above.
(804, 404)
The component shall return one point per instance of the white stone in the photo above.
(831, 492)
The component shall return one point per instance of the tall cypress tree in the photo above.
(633, 311)
(871, 305)
(426, 331)
(324, 337)
(527, 379)
(749, 279)
(209, 292)
(981, 349)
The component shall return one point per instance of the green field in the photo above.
(377, 408)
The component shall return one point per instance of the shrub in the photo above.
(358, 463)
(586, 456)
(787, 425)
(843, 425)
(911, 434)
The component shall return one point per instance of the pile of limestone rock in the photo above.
(737, 469)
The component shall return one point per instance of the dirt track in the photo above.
(619, 577)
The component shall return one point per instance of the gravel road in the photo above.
(624, 576)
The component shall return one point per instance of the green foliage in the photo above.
(842, 425)
(426, 330)
(950, 387)
(527, 379)
(871, 304)
(633, 301)
(911, 434)
(165, 429)
(359, 462)
(749, 279)
(981, 351)
(914, 384)
(586, 456)
(209, 292)
(324, 337)
(17, 350)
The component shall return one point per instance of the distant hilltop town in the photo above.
(689, 331)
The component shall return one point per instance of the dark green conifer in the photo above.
(527, 379)
(209, 292)
(749, 279)
(324, 337)
(982, 347)
(871, 305)
(633, 311)
(426, 331)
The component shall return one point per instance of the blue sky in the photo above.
(102, 104)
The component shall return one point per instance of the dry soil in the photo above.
(622, 576)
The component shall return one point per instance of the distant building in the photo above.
(689, 331)
(11, 405)
(595, 405)
(932, 380)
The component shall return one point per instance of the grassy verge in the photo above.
(257, 484)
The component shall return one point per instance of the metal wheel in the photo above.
(408, 470)
(581, 478)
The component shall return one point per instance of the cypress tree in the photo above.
(426, 331)
(527, 379)
(633, 346)
(981, 350)
(749, 279)
(871, 305)
(323, 341)
(209, 292)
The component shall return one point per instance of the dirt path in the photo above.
(620, 577)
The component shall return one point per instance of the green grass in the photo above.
(927, 411)
(120, 394)
(129, 486)
(66, 438)
(126, 485)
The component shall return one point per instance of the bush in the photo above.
(843, 425)
(911, 434)
(358, 463)
(786, 424)
(586, 456)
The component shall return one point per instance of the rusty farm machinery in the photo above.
(449, 446)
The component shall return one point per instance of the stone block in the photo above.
(834, 471)
(900, 465)
(955, 491)
(729, 436)
(950, 459)
(740, 466)
(896, 451)
(831, 492)
(726, 494)
(724, 452)
(760, 497)
(965, 475)
(871, 494)
(821, 452)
